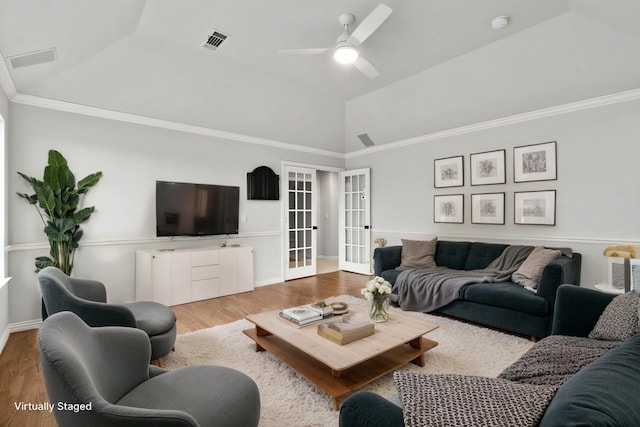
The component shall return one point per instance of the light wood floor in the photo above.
(21, 376)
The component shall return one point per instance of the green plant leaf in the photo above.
(56, 159)
(32, 199)
(75, 240)
(46, 198)
(31, 180)
(88, 181)
(44, 262)
(83, 215)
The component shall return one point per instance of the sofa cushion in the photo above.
(619, 320)
(390, 275)
(481, 254)
(452, 254)
(461, 400)
(604, 393)
(418, 254)
(531, 269)
(507, 295)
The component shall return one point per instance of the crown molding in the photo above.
(601, 101)
(36, 101)
(5, 80)
(69, 107)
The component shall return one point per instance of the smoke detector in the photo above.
(499, 22)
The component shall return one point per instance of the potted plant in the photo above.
(59, 204)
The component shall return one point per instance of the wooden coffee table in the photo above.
(340, 370)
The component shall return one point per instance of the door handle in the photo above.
(366, 227)
(315, 227)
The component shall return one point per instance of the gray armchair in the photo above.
(101, 377)
(88, 299)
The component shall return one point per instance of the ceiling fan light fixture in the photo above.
(345, 53)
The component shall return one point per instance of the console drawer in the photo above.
(205, 289)
(205, 272)
(210, 257)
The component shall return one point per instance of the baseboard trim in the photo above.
(4, 338)
(267, 282)
(25, 326)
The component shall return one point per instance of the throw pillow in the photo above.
(461, 400)
(531, 269)
(619, 320)
(418, 254)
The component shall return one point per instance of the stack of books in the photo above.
(305, 315)
(345, 331)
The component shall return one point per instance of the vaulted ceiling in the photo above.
(147, 57)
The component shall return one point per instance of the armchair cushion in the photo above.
(152, 317)
(234, 405)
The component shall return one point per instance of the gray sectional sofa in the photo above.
(504, 305)
(595, 379)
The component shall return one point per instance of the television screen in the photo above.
(184, 209)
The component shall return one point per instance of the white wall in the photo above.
(132, 157)
(598, 197)
(4, 290)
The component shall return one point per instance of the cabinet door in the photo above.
(161, 278)
(180, 277)
(228, 271)
(245, 269)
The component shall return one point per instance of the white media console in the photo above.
(173, 277)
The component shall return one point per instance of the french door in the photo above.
(355, 234)
(300, 219)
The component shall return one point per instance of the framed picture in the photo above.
(449, 208)
(487, 208)
(535, 162)
(448, 172)
(488, 168)
(535, 207)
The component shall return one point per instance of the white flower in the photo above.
(375, 288)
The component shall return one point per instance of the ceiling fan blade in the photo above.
(371, 23)
(366, 68)
(312, 51)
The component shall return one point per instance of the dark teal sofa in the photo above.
(504, 305)
(603, 393)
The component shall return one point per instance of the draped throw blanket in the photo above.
(428, 290)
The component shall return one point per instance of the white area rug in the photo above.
(289, 400)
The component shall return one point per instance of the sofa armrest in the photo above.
(577, 310)
(563, 270)
(386, 258)
(367, 409)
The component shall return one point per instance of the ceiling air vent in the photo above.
(33, 58)
(215, 40)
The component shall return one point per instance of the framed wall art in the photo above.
(535, 207)
(488, 168)
(535, 162)
(448, 208)
(487, 208)
(448, 172)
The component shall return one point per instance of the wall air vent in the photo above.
(366, 140)
(215, 40)
(33, 58)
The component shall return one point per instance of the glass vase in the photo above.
(379, 309)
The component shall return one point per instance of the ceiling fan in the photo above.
(346, 49)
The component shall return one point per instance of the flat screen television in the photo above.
(184, 209)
